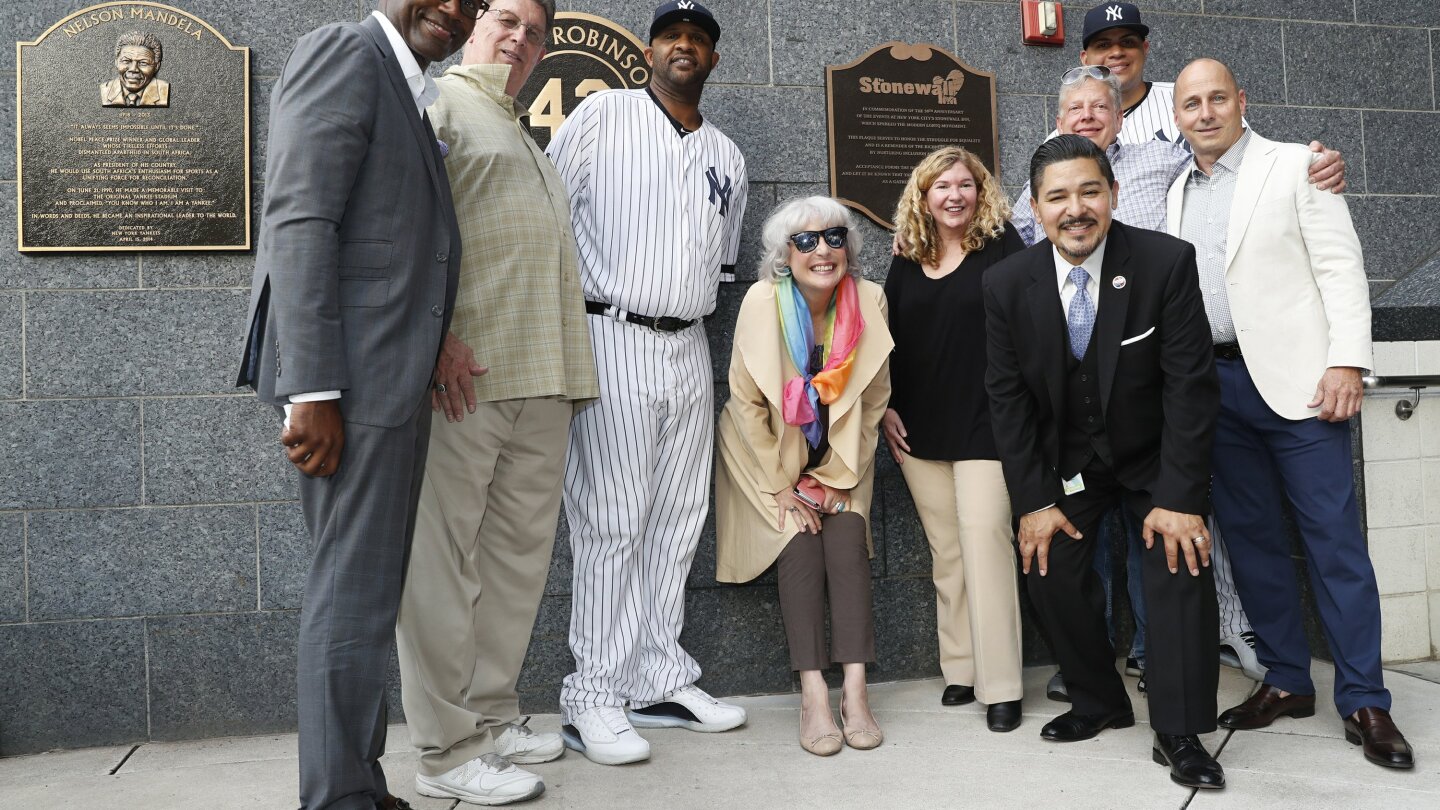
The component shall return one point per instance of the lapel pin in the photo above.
(1118, 282)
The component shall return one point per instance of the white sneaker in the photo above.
(487, 779)
(689, 707)
(605, 737)
(523, 745)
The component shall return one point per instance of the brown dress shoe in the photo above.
(1383, 743)
(1260, 709)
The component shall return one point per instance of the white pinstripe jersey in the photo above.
(1153, 119)
(656, 215)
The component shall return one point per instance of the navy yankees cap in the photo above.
(1112, 15)
(685, 11)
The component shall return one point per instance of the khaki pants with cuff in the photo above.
(965, 510)
(483, 537)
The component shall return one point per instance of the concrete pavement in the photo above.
(933, 757)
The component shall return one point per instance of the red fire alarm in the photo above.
(1042, 23)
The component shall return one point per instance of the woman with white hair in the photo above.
(809, 381)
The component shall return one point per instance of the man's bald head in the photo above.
(1209, 109)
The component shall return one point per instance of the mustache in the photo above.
(1065, 223)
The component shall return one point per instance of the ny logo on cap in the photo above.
(1114, 13)
(684, 4)
(717, 191)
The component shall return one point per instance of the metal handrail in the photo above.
(1414, 383)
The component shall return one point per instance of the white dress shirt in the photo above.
(1092, 265)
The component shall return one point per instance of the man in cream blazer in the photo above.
(1285, 291)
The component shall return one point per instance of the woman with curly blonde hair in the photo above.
(951, 224)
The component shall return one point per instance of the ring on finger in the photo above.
(440, 388)
(1198, 540)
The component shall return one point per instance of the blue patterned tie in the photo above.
(1082, 313)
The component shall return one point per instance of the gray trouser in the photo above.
(361, 521)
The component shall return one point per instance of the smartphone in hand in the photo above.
(806, 499)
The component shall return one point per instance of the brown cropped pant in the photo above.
(834, 561)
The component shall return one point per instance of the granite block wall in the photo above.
(151, 554)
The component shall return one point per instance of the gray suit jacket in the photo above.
(359, 250)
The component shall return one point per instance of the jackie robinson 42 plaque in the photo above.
(586, 53)
(894, 105)
(133, 133)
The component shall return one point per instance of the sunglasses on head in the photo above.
(1097, 72)
(807, 241)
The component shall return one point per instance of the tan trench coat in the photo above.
(759, 455)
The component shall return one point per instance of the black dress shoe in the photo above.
(955, 695)
(1072, 727)
(1383, 743)
(1262, 708)
(1003, 716)
(1190, 764)
(394, 803)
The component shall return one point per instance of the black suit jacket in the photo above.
(1158, 389)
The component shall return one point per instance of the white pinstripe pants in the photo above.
(1233, 620)
(637, 486)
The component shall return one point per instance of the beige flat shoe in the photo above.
(827, 744)
(823, 746)
(862, 739)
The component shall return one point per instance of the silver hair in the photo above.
(1112, 81)
(798, 214)
(136, 39)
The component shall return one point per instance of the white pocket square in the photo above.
(1137, 338)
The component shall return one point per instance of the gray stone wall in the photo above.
(151, 555)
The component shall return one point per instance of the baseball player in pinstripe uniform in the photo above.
(657, 196)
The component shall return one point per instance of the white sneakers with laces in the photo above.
(488, 779)
(689, 707)
(605, 737)
(524, 746)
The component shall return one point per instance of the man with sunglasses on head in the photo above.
(515, 361)
(354, 285)
(657, 195)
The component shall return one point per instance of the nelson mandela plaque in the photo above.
(894, 105)
(133, 133)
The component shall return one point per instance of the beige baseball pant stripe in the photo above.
(483, 536)
(965, 510)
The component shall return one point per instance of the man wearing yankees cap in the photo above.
(657, 196)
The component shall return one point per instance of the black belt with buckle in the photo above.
(662, 324)
(1228, 351)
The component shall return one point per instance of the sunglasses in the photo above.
(472, 8)
(1097, 72)
(807, 241)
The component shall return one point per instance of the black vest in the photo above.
(1082, 433)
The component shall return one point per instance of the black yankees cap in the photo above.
(685, 11)
(1112, 15)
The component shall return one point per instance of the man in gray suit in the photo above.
(353, 289)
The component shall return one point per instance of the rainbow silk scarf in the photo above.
(804, 392)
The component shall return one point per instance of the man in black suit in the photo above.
(1103, 390)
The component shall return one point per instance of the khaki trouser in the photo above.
(483, 536)
(965, 510)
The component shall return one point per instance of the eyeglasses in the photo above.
(534, 36)
(1097, 72)
(807, 241)
(471, 8)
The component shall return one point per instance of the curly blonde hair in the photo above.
(916, 227)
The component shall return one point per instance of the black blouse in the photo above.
(937, 373)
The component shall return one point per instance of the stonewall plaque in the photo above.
(894, 105)
(133, 133)
(586, 53)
